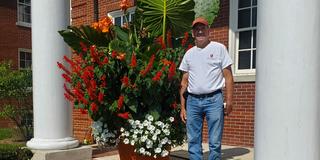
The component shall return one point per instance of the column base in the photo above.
(52, 144)
(81, 153)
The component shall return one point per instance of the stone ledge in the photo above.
(80, 153)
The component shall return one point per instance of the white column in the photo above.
(287, 120)
(52, 113)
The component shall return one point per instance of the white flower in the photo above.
(149, 143)
(166, 131)
(141, 150)
(140, 126)
(150, 118)
(164, 153)
(154, 137)
(121, 129)
(131, 121)
(137, 122)
(146, 132)
(143, 138)
(158, 131)
(126, 133)
(126, 141)
(164, 140)
(134, 136)
(171, 119)
(157, 150)
(132, 142)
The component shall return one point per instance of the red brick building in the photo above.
(235, 27)
(15, 36)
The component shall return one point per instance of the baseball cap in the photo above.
(200, 20)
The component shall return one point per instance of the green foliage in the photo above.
(14, 152)
(5, 133)
(15, 87)
(160, 16)
(208, 9)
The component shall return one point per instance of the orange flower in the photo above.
(124, 5)
(165, 62)
(103, 25)
(121, 56)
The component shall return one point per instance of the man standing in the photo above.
(207, 68)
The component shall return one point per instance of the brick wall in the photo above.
(238, 128)
(12, 37)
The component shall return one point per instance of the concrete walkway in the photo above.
(181, 153)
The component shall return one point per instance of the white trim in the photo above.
(119, 13)
(23, 23)
(243, 74)
(23, 50)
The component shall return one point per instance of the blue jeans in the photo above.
(212, 108)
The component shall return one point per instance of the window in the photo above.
(24, 13)
(242, 40)
(25, 58)
(119, 19)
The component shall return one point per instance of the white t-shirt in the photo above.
(205, 66)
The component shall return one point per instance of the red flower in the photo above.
(125, 81)
(149, 66)
(100, 97)
(172, 70)
(157, 77)
(189, 46)
(105, 60)
(124, 115)
(93, 84)
(61, 66)
(160, 41)
(120, 102)
(83, 47)
(93, 107)
(185, 39)
(83, 111)
(133, 61)
(174, 105)
(114, 54)
(66, 77)
(68, 97)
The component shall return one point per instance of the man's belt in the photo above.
(205, 95)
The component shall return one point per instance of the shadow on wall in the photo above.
(229, 153)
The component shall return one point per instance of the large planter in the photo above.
(126, 152)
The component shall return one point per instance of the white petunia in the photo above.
(154, 137)
(164, 153)
(141, 150)
(132, 142)
(143, 138)
(158, 131)
(121, 129)
(150, 118)
(157, 150)
(126, 141)
(171, 119)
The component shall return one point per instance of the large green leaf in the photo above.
(86, 34)
(162, 15)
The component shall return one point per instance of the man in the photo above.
(207, 68)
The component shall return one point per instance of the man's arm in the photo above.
(184, 85)
(227, 73)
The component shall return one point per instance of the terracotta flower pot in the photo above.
(126, 152)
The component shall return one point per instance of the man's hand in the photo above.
(228, 109)
(183, 114)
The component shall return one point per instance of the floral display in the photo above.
(126, 79)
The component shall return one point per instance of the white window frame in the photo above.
(243, 74)
(22, 23)
(119, 13)
(24, 50)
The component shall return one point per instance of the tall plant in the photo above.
(160, 16)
